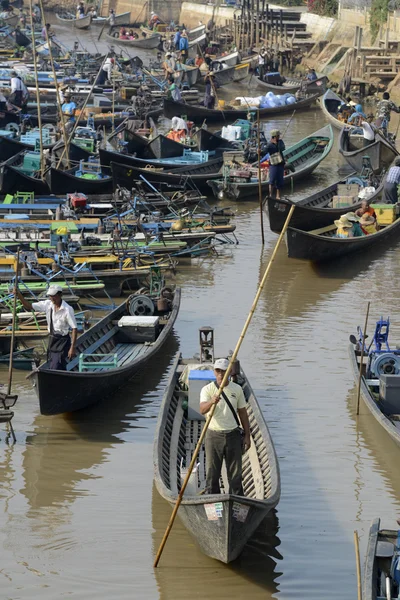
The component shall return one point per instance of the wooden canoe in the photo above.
(146, 43)
(380, 152)
(197, 176)
(121, 19)
(67, 391)
(391, 426)
(305, 156)
(13, 179)
(83, 23)
(221, 524)
(383, 553)
(199, 113)
(292, 85)
(311, 212)
(62, 182)
(320, 245)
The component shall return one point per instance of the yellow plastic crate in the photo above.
(385, 213)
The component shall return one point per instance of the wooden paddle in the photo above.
(358, 565)
(223, 384)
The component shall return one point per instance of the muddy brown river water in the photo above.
(79, 516)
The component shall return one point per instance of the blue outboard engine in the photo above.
(382, 359)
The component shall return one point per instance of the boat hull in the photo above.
(317, 248)
(76, 390)
(293, 85)
(148, 43)
(62, 182)
(381, 153)
(199, 113)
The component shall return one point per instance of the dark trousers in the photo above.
(220, 445)
(57, 352)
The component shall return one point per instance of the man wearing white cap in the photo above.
(223, 437)
(60, 320)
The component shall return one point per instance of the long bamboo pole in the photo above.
(259, 179)
(361, 360)
(358, 565)
(10, 364)
(82, 110)
(58, 100)
(37, 95)
(223, 384)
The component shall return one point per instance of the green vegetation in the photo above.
(378, 16)
(325, 8)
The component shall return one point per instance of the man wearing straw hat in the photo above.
(60, 320)
(223, 437)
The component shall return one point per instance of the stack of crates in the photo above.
(386, 214)
(347, 194)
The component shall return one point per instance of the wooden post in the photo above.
(14, 321)
(251, 23)
(358, 566)
(356, 36)
(257, 23)
(37, 94)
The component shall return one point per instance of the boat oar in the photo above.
(223, 384)
(358, 564)
(361, 360)
(287, 126)
(10, 364)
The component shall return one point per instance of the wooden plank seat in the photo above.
(124, 353)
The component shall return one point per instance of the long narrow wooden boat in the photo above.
(194, 33)
(380, 152)
(108, 156)
(311, 212)
(383, 552)
(197, 176)
(292, 85)
(304, 157)
(199, 113)
(121, 19)
(221, 524)
(163, 147)
(67, 391)
(330, 103)
(83, 23)
(320, 245)
(206, 140)
(381, 360)
(146, 43)
(13, 179)
(63, 182)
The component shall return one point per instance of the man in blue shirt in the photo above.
(184, 46)
(68, 111)
(177, 39)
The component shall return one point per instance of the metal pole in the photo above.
(361, 360)
(223, 384)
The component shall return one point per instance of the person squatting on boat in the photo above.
(383, 110)
(392, 181)
(60, 320)
(351, 225)
(223, 437)
(275, 148)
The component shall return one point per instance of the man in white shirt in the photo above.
(223, 437)
(369, 135)
(60, 320)
(19, 93)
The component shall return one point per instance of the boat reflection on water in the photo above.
(58, 461)
(184, 567)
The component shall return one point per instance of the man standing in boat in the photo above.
(275, 149)
(223, 437)
(60, 320)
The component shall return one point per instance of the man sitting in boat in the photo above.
(357, 116)
(348, 226)
(223, 437)
(173, 93)
(345, 110)
(365, 209)
(179, 129)
(80, 10)
(154, 20)
(368, 224)
(311, 75)
(392, 181)
(60, 320)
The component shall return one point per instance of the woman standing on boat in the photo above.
(275, 149)
(60, 320)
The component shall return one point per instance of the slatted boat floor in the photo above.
(126, 353)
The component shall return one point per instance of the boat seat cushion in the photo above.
(384, 550)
